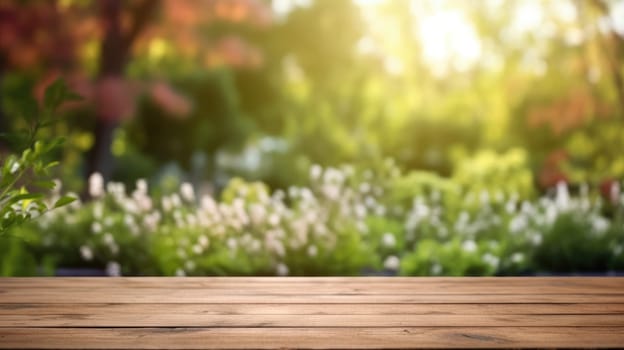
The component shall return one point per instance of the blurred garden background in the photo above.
(302, 137)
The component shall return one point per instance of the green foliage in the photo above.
(333, 82)
(23, 177)
(452, 258)
(488, 171)
(344, 221)
(575, 244)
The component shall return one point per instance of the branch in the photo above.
(141, 16)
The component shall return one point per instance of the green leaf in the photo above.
(28, 107)
(6, 206)
(54, 94)
(24, 196)
(48, 185)
(64, 201)
(51, 165)
(57, 93)
(48, 122)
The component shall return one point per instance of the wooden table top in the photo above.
(315, 312)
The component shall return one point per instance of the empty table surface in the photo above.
(311, 312)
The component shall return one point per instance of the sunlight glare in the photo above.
(448, 38)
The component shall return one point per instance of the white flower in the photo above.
(536, 238)
(380, 210)
(129, 220)
(312, 251)
(189, 265)
(86, 253)
(491, 260)
(96, 227)
(600, 225)
(96, 185)
(392, 263)
(197, 249)
(361, 227)
(208, 203)
(187, 192)
(484, 197)
(142, 202)
(175, 200)
(436, 269)
(365, 187)
(191, 220)
(360, 211)
(180, 273)
(274, 219)
(510, 206)
(469, 246)
(203, 241)
(517, 258)
(551, 214)
(274, 245)
(108, 239)
(14, 167)
(293, 192)
(388, 240)
(232, 243)
(562, 198)
(331, 191)
(113, 269)
(333, 175)
(315, 172)
(166, 204)
(281, 269)
(151, 221)
(518, 224)
(141, 186)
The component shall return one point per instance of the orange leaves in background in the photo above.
(42, 33)
(569, 112)
(116, 97)
(183, 24)
(170, 100)
(552, 171)
(235, 52)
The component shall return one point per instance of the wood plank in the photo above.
(372, 290)
(152, 295)
(345, 289)
(7, 310)
(77, 318)
(372, 285)
(320, 279)
(252, 312)
(311, 338)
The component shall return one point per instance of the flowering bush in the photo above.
(343, 222)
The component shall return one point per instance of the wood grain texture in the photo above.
(180, 296)
(311, 338)
(364, 285)
(312, 313)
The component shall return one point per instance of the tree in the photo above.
(51, 38)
